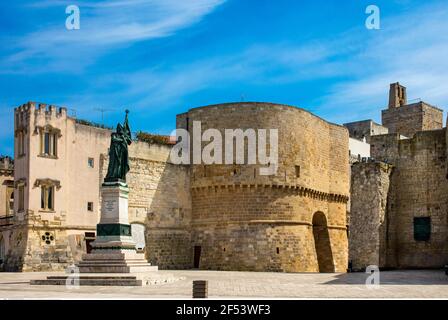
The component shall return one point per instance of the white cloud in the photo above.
(104, 25)
(361, 63)
(411, 49)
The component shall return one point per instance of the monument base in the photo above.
(116, 279)
(114, 260)
(114, 251)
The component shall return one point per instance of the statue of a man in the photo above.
(118, 152)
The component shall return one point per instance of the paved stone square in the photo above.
(246, 285)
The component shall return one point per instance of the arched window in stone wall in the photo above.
(138, 235)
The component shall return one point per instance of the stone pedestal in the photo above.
(113, 260)
(114, 251)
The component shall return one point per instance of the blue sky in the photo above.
(161, 57)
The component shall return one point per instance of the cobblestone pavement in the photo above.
(250, 285)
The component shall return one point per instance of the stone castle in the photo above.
(399, 213)
(308, 217)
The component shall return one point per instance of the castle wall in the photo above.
(418, 189)
(421, 191)
(369, 191)
(160, 200)
(242, 220)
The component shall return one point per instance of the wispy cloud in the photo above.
(361, 64)
(356, 66)
(104, 25)
(411, 49)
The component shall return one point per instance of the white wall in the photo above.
(358, 148)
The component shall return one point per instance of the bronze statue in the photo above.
(118, 152)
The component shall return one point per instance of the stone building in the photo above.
(363, 130)
(6, 199)
(408, 119)
(398, 214)
(224, 217)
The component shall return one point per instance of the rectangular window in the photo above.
(42, 198)
(54, 139)
(47, 198)
(50, 198)
(298, 171)
(91, 162)
(21, 143)
(90, 206)
(422, 228)
(11, 203)
(21, 198)
(49, 144)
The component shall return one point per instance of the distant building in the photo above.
(359, 150)
(365, 129)
(408, 119)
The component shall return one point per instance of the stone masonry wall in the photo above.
(365, 129)
(370, 185)
(245, 221)
(411, 118)
(419, 189)
(159, 199)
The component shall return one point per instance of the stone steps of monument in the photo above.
(92, 281)
(127, 261)
(95, 277)
(116, 268)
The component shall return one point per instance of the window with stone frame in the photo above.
(21, 192)
(20, 134)
(91, 162)
(47, 198)
(90, 206)
(49, 141)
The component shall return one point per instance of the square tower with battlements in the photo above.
(407, 119)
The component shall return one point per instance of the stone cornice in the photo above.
(21, 181)
(7, 172)
(300, 190)
(48, 128)
(261, 221)
(47, 182)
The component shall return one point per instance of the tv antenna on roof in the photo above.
(102, 110)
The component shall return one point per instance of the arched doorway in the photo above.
(138, 235)
(322, 243)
